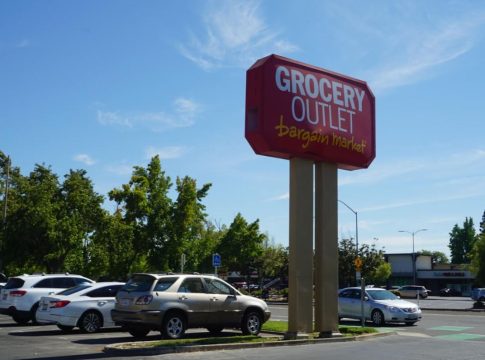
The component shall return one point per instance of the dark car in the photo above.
(450, 292)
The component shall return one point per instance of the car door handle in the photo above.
(214, 299)
(183, 297)
(101, 303)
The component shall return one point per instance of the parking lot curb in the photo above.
(143, 347)
(454, 310)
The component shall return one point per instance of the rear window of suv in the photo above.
(139, 283)
(14, 283)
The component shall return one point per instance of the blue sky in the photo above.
(105, 85)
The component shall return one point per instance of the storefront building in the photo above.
(433, 276)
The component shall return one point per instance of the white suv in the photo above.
(21, 294)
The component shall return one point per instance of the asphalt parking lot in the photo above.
(48, 342)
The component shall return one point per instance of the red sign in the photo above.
(298, 110)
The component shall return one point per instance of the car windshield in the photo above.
(381, 295)
(74, 289)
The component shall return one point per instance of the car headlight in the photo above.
(393, 309)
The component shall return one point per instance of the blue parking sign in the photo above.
(216, 260)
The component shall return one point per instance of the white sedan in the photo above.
(87, 306)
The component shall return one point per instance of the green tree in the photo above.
(146, 207)
(381, 274)
(482, 224)
(242, 245)
(437, 257)
(346, 256)
(477, 265)
(371, 258)
(462, 241)
(478, 256)
(54, 219)
(206, 245)
(273, 261)
(188, 220)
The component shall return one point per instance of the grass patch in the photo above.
(274, 326)
(282, 327)
(356, 330)
(213, 340)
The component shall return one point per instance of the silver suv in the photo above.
(20, 296)
(412, 291)
(173, 303)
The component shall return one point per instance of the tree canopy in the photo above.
(461, 242)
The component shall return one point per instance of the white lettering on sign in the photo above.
(322, 92)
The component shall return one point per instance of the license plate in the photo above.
(125, 302)
(44, 306)
(4, 296)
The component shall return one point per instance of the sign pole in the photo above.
(300, 297)
(326, 250)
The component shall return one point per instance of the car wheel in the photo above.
(138, 332)
(65, 328)
(173, 326)
(377, 318)
(32, 313)
(21, 319)
(215, 330)
(90, 322)
(410, 323)
(251, 323)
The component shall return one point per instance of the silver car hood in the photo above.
(403, 304)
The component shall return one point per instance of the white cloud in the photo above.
(113, 118)
(183, 114)
(284, 196)
(85, 159)
(419, 51)
(120, 169)
(235, 35)
(168, 152)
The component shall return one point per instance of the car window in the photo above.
(355, 294)
(14, 283)
(345, 293)
(215, 286)
(44, 283)
(192, 285)
(62, 283)
(381, 295)
(105, 291)
(74, 289)
(79, 281)
(164, 283)
(140, 283)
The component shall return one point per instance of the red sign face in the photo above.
(299, 110)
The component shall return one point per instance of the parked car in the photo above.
(21, 294)
(380, 306)
(87, 306)
(478, 294)
(3, 280)
(173, 303)
(412, 291)
(450, 292)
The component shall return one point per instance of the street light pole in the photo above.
(356, 233)
(413, 255)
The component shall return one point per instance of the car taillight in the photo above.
(18, 293)
(59, 304)
(144, 300)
